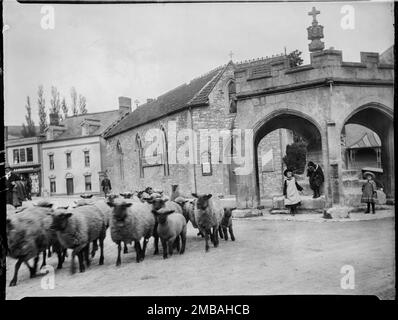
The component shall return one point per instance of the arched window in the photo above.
(140, 154)
(205, 161)
(232, 96)
(120, 159)
(165, 152)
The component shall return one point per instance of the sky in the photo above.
(144, 50)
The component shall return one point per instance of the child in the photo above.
(291, 191)
(369, 194)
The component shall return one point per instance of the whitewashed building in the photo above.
(72, 154)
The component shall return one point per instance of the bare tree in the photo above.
(55, 101)
(41, 102)
(29, 129)
(73, 95)
(82, 104)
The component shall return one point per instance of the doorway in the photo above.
(69, 186)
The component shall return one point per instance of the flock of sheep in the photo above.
(132, 217)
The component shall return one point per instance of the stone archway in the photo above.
(293, 120)
(379, 119)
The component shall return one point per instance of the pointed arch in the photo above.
(232, 96)
(165, 151)
(140, 154)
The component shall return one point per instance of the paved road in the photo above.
(268, 257)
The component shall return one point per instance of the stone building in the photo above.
(315, 101)
(73, 151)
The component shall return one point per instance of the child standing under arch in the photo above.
(291, 191)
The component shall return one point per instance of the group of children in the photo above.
(291, 191)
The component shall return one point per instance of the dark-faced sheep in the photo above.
(208, 215)
(130, 222)
(79, 226)
(158, 203)
(28, 234)
(171, 228)
(226, 224)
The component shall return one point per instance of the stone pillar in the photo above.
(387, 158)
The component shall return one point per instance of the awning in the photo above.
(368, 140)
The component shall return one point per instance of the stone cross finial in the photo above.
(231, 54)
(313, 13)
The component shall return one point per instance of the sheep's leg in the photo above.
(94, 249)
(80, 256)
(164, 246)
(177, 243)
(125, 248)
(231, 232)
(44, 259)
(220, 232)
(171, 244)
(72, 264)
(215, 236)
(144, 248)
(138, 253)
(156, 239)
(61, 257)
(49, 251)
(183, 241)
(207, 240)
(34, 268)
(13, 282)
(86, 253)
(101, 243)
(224, 229)
(119, 249)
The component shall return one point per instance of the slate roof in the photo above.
(14, 132)
(195, 93)
(74, 129)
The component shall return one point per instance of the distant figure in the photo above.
(28, 188)
(106, 185)
(291, 191)
(148, 190)
(19, 193)
(316, 178)
(11, 177)
(175, 192)
(369, 194)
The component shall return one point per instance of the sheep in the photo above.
(157, 203)
(188, 209)
(226, 223)
(175, 192)
(208, 215)
(130, 222)
(171, 228)
(79, 226)
(28, 234)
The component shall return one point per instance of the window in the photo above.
(140, 154)
(22, 157)
(120, 156)
(86, 158)
(15, 153)
(29, 154)
(68, 160)
(53, 188)
(232, 97)
(207, 169)
(51, 159)
(87, 182)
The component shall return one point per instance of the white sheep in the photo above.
(171, 228)
(130, 222)
(28, 234)
(77, 227)
(208, 216)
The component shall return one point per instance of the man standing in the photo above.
(11, 178)
(106, 185)
(316, 178)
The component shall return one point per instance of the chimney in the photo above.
(54, 119)
(125, 104)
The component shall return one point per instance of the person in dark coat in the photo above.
(316, 178)
(291, 191)
(11, 178)
(19, 194)
(28, 188)
(106, 185)
(369, 194)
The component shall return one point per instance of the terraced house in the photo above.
(73, 151)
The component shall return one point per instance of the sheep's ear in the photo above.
(127, 205)
(168, 211)
(208, 196)
(194, 195)
(234, 208)
(67, 215)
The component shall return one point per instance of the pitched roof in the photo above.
(15, 132)
(195, 93)
(73, 123)
(368, 140)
